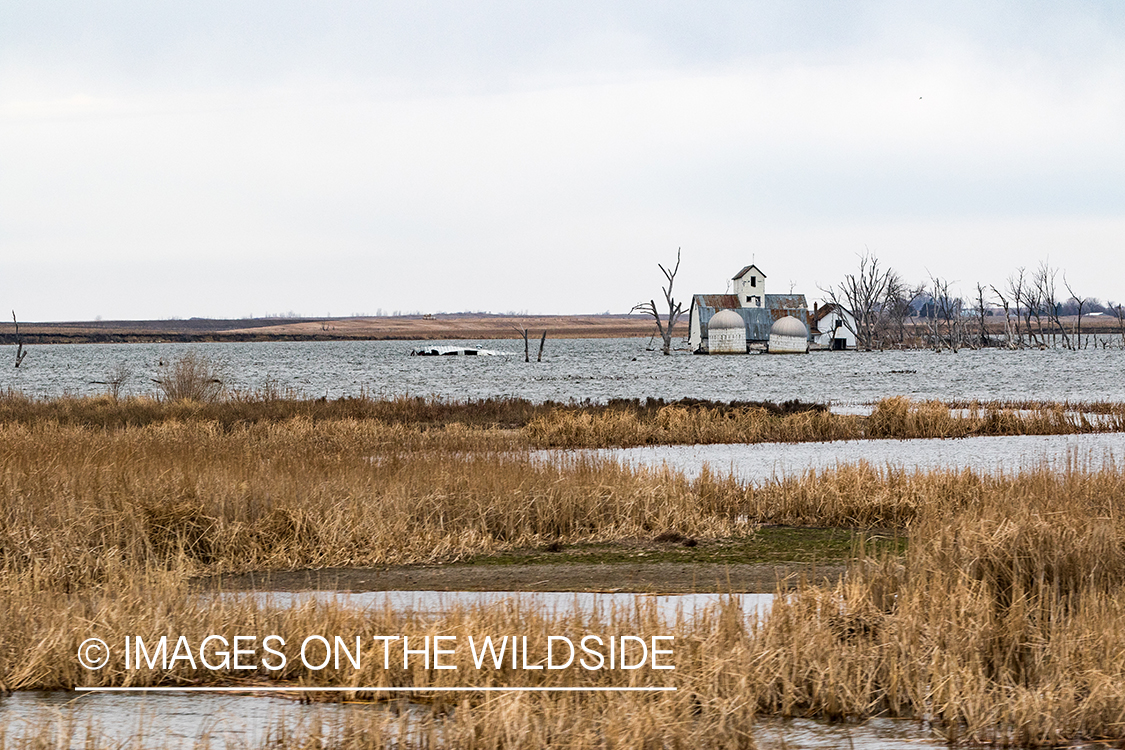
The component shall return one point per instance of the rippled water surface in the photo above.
(596, 369)
(667, 605)
(181, 720)
(761, 462)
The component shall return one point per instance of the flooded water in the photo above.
(183, 720)
(763, 462)
(668, 606)
(161, 720)
(596, 369)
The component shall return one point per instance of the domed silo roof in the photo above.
(789, 326)
(726, 333)
(725, 320)
(789, 336)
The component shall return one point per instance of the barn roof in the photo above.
(743, 272)
(758, 320)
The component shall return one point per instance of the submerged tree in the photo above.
(20, 353)
(864, 295)
(675, 309)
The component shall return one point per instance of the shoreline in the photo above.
(631, 578)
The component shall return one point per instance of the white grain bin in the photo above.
(789, 336)
(726, 333)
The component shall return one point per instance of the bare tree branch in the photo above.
(675, 309)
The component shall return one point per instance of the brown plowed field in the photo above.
(405, 328)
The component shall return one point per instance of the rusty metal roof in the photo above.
(759, 320)
(718, 301)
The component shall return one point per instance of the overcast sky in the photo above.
(227, 159)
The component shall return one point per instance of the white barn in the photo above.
(833, 327)
(710, 319)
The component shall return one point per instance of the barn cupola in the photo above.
(750, 286)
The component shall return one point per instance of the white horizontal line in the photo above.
(374, 689)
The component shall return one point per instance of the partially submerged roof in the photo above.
(446, 351)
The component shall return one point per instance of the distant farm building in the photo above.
(833, 327)
(756, 310)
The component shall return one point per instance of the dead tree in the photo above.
(527, 347)
(1045, 282)
(526, 350)
(1119, 312)
(1009, 339)
(898, 306)
(864, 294)
(1017, 290)
(947, 308)
(980, 311)
(1082, 302)
(675, 309)
(20, 353)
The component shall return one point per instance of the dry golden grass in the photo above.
(78, 504)
(676, 424)
(1001, 624)
(518, 423)
(1004, 622)
(712, 707)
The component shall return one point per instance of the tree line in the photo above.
(1027, 310)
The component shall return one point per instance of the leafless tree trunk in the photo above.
(675, 309)
(902, 308)
(1017, 288)
(20, 353)
(1119, 311)
(1009, 338)
(864, 294)
(542, 341)
(526, 350)
(1033, 299)
(1081, 303)
(1045, 283)
(980, 315)
(948, 309)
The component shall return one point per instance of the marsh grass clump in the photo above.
(678, 424)
(191, 377)
(900, 417)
